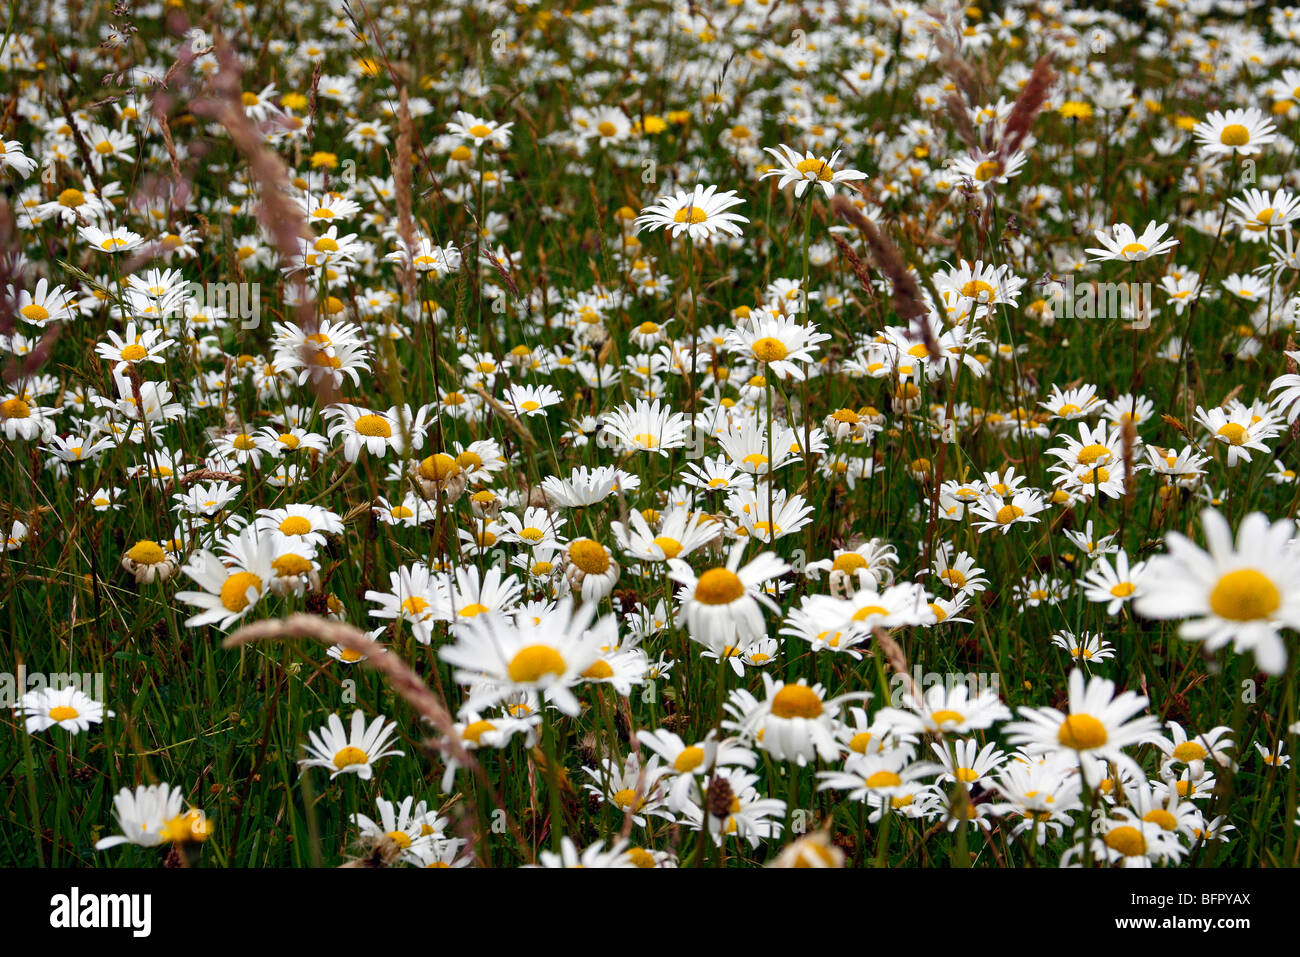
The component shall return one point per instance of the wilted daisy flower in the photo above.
(148, 561)
(353, 751)
(591, 569)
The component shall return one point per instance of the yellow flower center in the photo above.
(1127, 841)
(63, 713)
(347, 757)
(35, 313)
(1162, 817)
(589, 556)
(883, 779)
(1234, 433)
(439, 467)
(1245, 595)
(796, 701)
(1234, 134)
(374, 425)
(848, 562)
(72, 198)
(475, 730)
(815, 168)
(770, 350)
(532, 663)
(627, 798)
(601, 669)
(146, 553)
(1082, 732)
(690, 759)
(1009, 513)
(295, 525)
(1090, 454)
(234, 593)
(1189, 751)
(719, 586)
(978, 289)
(671, 547)
(953, 577)
(291, 566)
(640, 857)
(690, 214)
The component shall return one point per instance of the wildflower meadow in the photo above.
(649, 434)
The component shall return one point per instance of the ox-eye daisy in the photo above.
(722, 606)
(354, 751)
(1244, 593)
(1238, 132)
(498, 657)
(1096, 728)
(70, 708)
(700, 213)
(807, 170)
(1123, 244)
